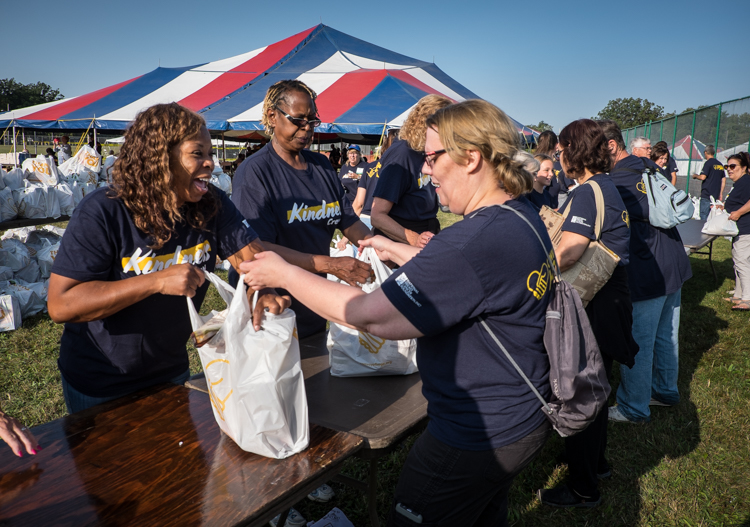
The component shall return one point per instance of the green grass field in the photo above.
(689, 467)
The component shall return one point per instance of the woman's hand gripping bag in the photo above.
(254, 378)
(355, 353)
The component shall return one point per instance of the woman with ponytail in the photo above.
(738, 206)
(485, 422)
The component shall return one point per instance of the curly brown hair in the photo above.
(141, 177)
(585, 147)
(413, 130)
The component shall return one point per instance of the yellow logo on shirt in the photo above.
(557, 172)
(626, 218)
(423, 180)
(641, 187)
(374, 171)
(538, 281)
(301, 212)
(149, 263)
(719, 167)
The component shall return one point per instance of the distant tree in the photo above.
(541, 127)
(631, 112)
(17, 95)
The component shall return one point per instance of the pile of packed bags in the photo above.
(26, 258)
(39, 189)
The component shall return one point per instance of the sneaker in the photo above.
(656, 402)
(616, 415)
(322, 494)
(605, 473)
(294, 519)
(563, 496)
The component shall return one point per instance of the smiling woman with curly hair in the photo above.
(133, 250)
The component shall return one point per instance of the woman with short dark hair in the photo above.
(585, 157)
(547, 144)
(738, 205)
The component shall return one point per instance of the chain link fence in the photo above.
(725, 125)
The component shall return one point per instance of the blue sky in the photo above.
(551, 61)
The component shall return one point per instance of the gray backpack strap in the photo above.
(515, 365)
(556, 270)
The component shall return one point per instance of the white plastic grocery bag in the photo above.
(85, 159)
(10, 313)
(40, 170)
(354, 353)
(718, 222)
(255, 378)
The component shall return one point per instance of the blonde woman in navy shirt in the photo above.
(485, 423)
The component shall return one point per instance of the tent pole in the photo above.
(223, 149)
(23, 137)
(15, 156)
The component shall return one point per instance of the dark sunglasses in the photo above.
(298, 121)
(431, 157)
(732, 166)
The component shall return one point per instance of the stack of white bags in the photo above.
(39, 189)
(26, 258)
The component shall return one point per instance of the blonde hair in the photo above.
(413, 130)
(483, 127)
(277, 93)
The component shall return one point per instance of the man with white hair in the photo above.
(641, 147)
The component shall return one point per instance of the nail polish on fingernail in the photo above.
(19, 453)
(39, 447)
(33, 452)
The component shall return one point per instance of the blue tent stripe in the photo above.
(129, 93)
(317, 50)
(388, 100)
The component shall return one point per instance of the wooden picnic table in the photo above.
(155, 458)
(382, 410)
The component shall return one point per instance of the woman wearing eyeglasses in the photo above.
(738, 206)
(585, 156)
(293, 198)
(405, 205)
(485, 424)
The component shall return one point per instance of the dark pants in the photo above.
(611, 315)
(450, 487)
(585, 450)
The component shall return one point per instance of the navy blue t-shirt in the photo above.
(714, 172)
(581, 216)
(403, 184)
(539, 199)
(350, 176)
(738, 197)
(658, 263)
(298, 209)
(369, 181)
(143, 344)
(476, 399)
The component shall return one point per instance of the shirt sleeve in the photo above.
(706, 168)
(251, 198)
(87, 253)
(581, 212)
(233, 231)
(393, 182)
(436, 289)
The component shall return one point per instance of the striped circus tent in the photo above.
(362, 89)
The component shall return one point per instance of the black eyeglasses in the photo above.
(431, 157)
(732, 166)
(298, 121)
